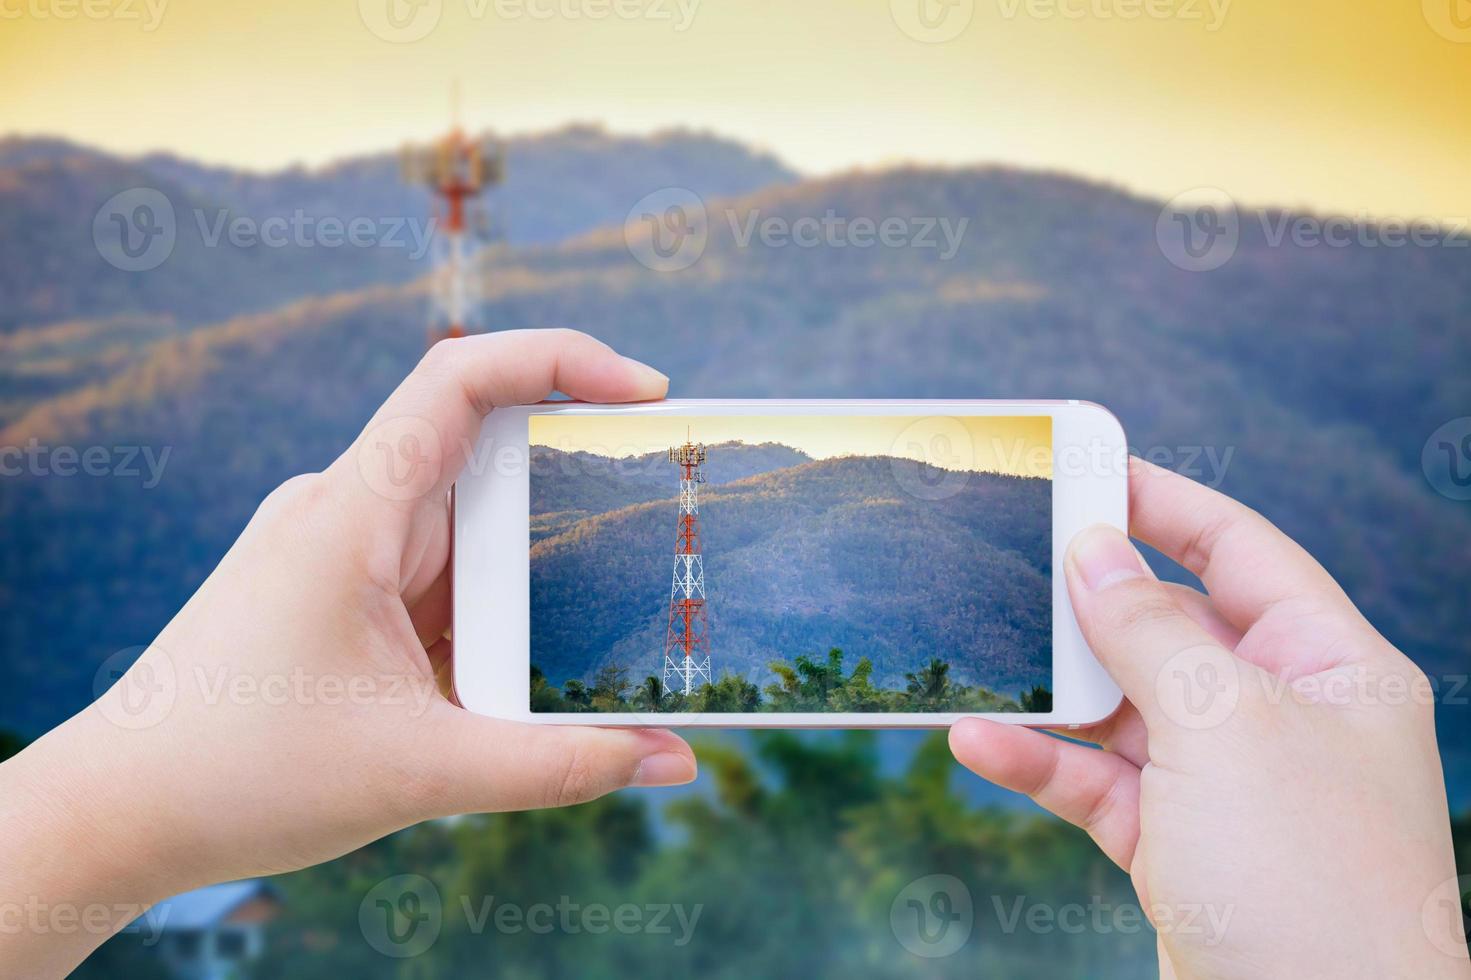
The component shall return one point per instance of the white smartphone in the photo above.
(834, 564)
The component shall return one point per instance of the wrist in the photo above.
(79, 811)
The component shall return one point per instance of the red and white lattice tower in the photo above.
(457, 170)
(687, 642)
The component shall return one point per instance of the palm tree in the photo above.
(1038, 699)
(929, 685)
(650, 694)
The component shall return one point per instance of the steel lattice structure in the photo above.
(687, 641)
(457, 170)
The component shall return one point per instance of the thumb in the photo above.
(484, 765)
(1167, 664)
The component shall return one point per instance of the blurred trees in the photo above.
(805, 684)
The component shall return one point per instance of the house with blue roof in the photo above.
(212, 933)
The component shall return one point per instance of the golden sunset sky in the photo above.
(1353, 107)
(1019, 445)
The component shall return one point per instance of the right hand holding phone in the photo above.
(1272, 783)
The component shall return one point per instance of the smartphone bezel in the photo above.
(492, 565)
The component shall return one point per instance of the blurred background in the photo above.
(1242, 225)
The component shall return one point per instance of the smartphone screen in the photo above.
(790, 563)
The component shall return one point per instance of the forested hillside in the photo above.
(1304, 381)
(78, 320)
(823, 554)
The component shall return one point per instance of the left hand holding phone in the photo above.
(292, 710)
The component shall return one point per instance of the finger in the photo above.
(489, 765)
(1124, 731)
(426, 550)
(1089, 788)
(1133, 624)
(1246, 563)
(1198, 606)
(416, 444)
(431, 614)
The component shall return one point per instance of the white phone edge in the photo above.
(491, 672)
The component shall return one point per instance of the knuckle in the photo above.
(443, 353)
(567, 335)
(1137, 610)
(575, 780)
(295, 496)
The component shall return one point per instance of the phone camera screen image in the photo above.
(790, 563)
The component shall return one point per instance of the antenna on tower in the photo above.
(687, 639)
(457, 170)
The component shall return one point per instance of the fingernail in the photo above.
(664, 769)
(1103, 557)
(652, 375)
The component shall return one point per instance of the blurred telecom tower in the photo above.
(457, 170)
(687, 641)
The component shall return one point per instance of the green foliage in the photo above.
(794, 855)
(806, 684)
(1038, 700)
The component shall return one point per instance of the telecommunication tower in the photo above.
(457, 170)
(687, 641)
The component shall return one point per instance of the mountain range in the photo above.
(96, 317)
(800, 556)
(1302, 380)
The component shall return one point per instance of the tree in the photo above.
(650, 695)
(1038, 699)
(610, 688)
(929, 687)
(575, 693)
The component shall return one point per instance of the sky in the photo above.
(1355, 107)
(1020, 445)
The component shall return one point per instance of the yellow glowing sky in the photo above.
(1358, 106)
(1020, 445)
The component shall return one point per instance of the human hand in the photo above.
(1272, 783)
(290, 713)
